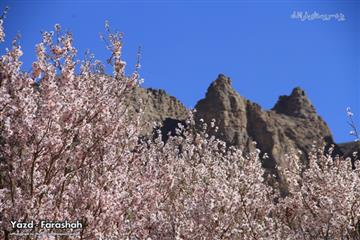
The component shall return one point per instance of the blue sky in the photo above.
(186, 44)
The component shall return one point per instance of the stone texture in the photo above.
(156, 105)
(295, 105)
(228, 108)
(292, 124)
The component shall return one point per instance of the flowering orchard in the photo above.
(69, 149)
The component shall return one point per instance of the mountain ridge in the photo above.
(292, 123)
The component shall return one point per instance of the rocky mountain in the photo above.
(292, 123)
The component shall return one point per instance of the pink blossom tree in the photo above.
(65, 137)
(70, 149)
(324, 200)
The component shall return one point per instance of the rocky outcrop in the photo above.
(292, 124)
(156, 105)
(296, 105)
(228, 108)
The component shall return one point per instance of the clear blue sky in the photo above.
(187, 44)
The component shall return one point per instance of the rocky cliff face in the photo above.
(292, 123)
(157, 106)
(228, 108)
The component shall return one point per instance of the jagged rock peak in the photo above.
(222, 80)
(298, 92)
(222, 96)
(227, 107)
(295, 105)
(221, 84)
